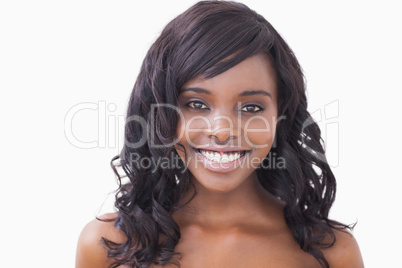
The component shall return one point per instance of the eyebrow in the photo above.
(196, 90)
(255, 92)
(244, 93)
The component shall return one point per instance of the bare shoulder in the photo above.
(345, 253)
(90, 251)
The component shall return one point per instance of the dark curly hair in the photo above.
(210, 38)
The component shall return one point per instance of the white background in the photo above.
(57, 54)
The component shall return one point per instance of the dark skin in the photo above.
(232, 221)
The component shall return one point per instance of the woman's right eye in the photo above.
(196, 105)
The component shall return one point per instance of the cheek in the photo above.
(188, 128)
(261, 131)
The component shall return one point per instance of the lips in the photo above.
(224, 156)
(221, 160)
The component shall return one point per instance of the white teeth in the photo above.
(225, 158)
(215, 156)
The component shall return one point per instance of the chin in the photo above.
(219, 183)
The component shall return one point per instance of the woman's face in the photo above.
(227, 123)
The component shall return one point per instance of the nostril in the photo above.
(218, 140)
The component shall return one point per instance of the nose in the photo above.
(223, 130)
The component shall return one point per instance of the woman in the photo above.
(224, 166)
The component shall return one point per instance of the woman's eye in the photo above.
(197, 105)
(252, 109)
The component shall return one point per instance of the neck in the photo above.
(216, 210)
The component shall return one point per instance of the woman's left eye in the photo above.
(252, 109)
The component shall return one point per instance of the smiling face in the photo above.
(227, 124)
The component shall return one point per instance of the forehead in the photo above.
(255, 72)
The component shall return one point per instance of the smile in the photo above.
(222, 157)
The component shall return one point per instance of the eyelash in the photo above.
(202, 104)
